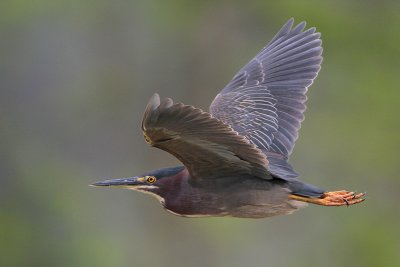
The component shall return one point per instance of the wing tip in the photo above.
(300, 27)
(290, 21)
(287, 27)
(166, 103)
(154, 101)
(152, 105)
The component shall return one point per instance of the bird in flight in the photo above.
(235, 157)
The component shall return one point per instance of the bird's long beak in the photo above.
(122, 182)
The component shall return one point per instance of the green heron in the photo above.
(235, 157)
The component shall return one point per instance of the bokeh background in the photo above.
(75, 78)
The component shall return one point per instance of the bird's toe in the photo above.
(341, 198)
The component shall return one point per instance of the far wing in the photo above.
(265, 100)
(206, 146)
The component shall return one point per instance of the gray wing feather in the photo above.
(265, 100)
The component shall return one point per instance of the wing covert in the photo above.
(206, 146)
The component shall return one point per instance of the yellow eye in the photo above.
(150, 179)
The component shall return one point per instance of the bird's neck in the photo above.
(174, 182)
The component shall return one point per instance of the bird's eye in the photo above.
(150, 179)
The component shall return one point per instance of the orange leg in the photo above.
(333, 198)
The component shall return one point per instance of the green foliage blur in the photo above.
(75, 78)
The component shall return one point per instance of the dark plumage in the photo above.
(236, 157)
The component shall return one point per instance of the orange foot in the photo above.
(333, 198)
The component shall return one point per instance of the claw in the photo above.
(347, 203)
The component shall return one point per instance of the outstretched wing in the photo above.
(206, 146)
(266, 99)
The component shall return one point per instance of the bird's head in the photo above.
(155, 182)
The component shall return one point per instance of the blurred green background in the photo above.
(75, 78)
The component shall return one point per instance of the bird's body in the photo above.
(233, 196)
(235, 158)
